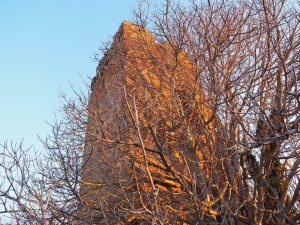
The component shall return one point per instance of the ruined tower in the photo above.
(146, 132)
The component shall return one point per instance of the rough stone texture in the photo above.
(139, 75)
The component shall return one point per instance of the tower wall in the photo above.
(146, 116)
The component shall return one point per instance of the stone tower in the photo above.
(145, 133)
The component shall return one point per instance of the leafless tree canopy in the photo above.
(205, 131)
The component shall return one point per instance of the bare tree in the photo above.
(195, 122)
(43, 187)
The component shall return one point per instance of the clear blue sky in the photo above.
(45, 46)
